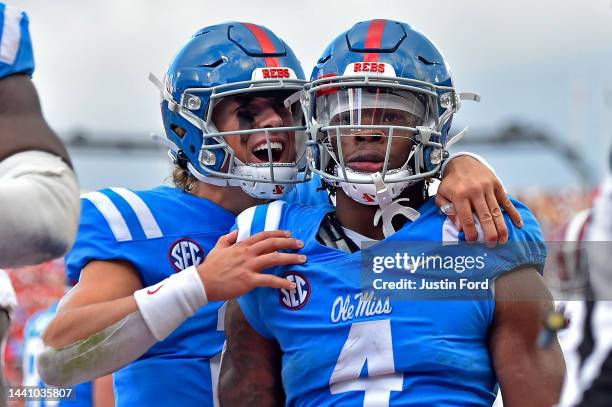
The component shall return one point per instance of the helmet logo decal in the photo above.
(278, 189)
(368, 197)
(370, 68)
(273, 73)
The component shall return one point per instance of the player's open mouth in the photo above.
(260, 151)
(366, 161)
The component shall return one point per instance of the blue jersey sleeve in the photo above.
(249, 304)
(250, 222)
(526, 246)
(529, 238)
(94, 241)
(16, 55)
(259, 218)
(309, 193)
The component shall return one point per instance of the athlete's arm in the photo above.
(39, 194)
(528, 375)
(97, 329)
(103, 296)
(39, 205)
(103, 394)
(251, 365)
(475, 191)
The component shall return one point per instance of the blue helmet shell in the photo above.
(412, 54)
(219, 55)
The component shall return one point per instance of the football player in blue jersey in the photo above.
(39, 195)
(379, 109)
(153, 266)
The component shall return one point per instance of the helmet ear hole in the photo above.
(178, 130)
(192, 148)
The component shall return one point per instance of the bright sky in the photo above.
(544, 62)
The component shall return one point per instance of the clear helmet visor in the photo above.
(371, 106)
(264, 131)
(370, 129)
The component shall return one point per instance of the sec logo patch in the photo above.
(298, 297)
(185, 253)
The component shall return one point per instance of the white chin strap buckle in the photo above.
(389, 208)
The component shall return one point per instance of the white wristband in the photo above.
(165, 305)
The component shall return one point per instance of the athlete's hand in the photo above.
(232, 269)
(475, 191)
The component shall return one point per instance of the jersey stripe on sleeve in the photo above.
(273, 217)
(11, 35)
(244, 221)
(112, 215)
(143, 213)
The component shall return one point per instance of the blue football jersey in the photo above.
(15, 44)
(32, 347)
(160, 232)
(345, 346)
(308, 193)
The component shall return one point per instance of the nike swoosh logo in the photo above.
(151, 292)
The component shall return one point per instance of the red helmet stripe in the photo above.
(267, 47)
(374, 39)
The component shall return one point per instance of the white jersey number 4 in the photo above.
(368, 342)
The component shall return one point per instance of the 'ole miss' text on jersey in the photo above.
(343, 349)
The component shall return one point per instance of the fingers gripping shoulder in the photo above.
(529, 232)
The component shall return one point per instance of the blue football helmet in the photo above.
(380, 77)
(242, 62)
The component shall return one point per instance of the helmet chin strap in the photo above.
(265, 190)
(220, 182)
(261, 190)
(390, 207)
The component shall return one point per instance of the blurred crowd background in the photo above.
(36, 287)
